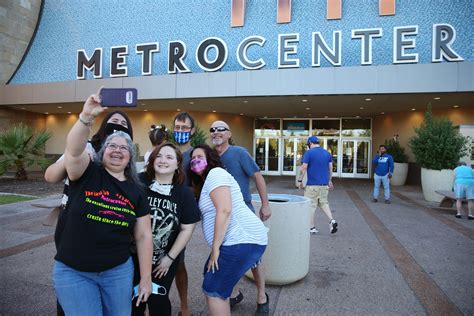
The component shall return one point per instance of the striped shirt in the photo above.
(244, 227)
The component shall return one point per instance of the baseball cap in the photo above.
(312, 139)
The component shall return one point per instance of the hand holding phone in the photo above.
(118, 97)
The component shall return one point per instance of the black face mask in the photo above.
(111, 128)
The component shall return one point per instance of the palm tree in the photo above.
(21, 147)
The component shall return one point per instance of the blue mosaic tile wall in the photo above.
(67, 26)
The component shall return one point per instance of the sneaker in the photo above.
(387, 201)
(313, 231)
(374, 200)
(470, 217)
(458, 216)
(333, 226)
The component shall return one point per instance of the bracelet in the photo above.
(170, 257)
(85, 122)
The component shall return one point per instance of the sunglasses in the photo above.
(218, 129)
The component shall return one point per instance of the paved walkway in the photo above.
(406, 258)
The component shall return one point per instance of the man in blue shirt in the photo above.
(242, 167)
(317, 162)
(383, 163)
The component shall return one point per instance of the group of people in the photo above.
(121, 234)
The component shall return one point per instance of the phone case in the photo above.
(118, 97)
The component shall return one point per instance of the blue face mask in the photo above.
(181, 137)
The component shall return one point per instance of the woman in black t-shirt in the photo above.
(93, 271)
(174, 214)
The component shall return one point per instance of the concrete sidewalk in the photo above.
(405, 258)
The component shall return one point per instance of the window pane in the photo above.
(267, 128)
(326, 127)
(356, 127)
(296, 128)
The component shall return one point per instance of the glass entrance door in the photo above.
(332, 146)
(267, 155)
(293, 150)
(355, 158)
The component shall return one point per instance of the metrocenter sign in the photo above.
(403, 46)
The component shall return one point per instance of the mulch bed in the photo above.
(35, 187)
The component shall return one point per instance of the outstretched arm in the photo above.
(56, 172)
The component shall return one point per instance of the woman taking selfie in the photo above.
(93, 269)
(174, 214)
(237, 237)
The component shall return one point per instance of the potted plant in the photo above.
(400, 159)
(437, 147)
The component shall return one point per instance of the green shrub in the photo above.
(396, 150)
(21, 147)
(199, 136)
(437, 144)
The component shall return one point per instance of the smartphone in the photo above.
(111, 97)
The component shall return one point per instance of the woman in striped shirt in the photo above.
(237, 237)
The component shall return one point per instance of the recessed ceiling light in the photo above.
(191, 102)
(142, 104)
(455, 106)
(361, 108)
(23, 108)
(60, 107)
(368, 99)
(307, 108)
(46, 112)
(179, 110)
(241, 113)
(436, 98)
(413, 109)
(213, 111)
(145, 110)
(309, 114)
(245, 101)
(357, 116)
(382, 113)
(304, 100)
(68, 112)
(265, 117)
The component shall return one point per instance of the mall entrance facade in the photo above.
(279, 144)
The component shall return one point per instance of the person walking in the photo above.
(174, 214)
(93, 269)
(242, 167)
(384, 166)
(317, 163)
(183, 131)
(235, 234)
(464, 188)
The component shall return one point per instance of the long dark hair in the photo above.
(213, 161)
(178, 177)
(158, 134)
(98, 139)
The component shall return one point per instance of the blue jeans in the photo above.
(94, 293)
(386, 186)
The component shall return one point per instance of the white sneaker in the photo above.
(333, 226)
(313, 231)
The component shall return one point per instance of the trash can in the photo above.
(286, 258)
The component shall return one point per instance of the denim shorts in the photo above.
(464, 191)
(233, 262)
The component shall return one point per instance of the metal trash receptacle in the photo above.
(286, 258)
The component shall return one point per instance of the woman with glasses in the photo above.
(93, 269)
(236, 235)
(174, 214)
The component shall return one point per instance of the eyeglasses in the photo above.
(182, 128)
(218, 129)
(122, 148)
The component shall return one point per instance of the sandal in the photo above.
(263, 309)
(236, 300)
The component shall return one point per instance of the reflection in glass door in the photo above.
(347, 157)
(267, 155)
(362, 164)
(331, 146)
(288, 155)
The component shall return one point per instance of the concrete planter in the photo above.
(286, 259)
(400, 173)
(432, 180)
